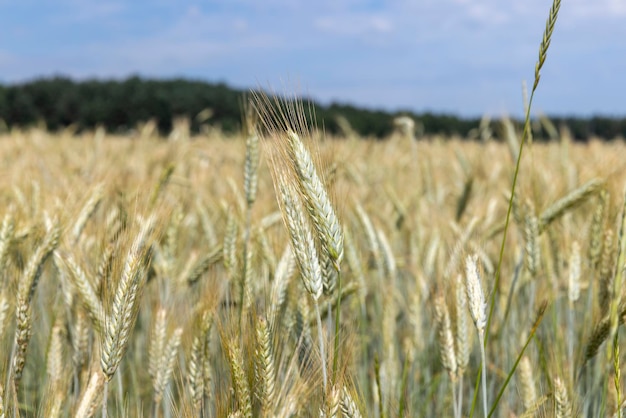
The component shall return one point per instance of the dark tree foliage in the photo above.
(365, 122)
(117, 105)
(120, 105)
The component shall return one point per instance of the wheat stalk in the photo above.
(543, 53)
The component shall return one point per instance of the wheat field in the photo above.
(147, 276)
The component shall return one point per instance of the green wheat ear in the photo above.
(545, 42)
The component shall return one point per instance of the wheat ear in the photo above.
(302, 241)
(304, 250)
(195, 373)
(121, 316)
(4, 310)
(162, 355)
(166, 364)
(596, 228)
(349, 408)
(316, 200)
(265, 369)
(201, 266)
(527, 384)
(86, 212)
(7, 233)
(562, 402)
(231, 263)
(26, 290)
(569, 201)
(81, 283)
(199, 367)
(240, 382)
(282, 276)
(477, 307)
(607, 265)
(531, 235)
(462, 337)
(251, 167)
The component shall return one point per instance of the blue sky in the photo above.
(462, 56)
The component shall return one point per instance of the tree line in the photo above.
(119, 105)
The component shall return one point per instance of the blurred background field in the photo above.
(413, 211)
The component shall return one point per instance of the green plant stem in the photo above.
(320, 334)
(496, 286)
(460, 401)
(381, 410)
(532, 333)
(476, 384)
(105, 399)
(543, 51)
(483, 357)
(508, 217)
(405, 375)
(337, 320)
(454, 405)
(617, 375)
(570, 337)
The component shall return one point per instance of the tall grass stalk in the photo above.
(543, 51)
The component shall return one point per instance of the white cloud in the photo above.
(82, 11)
(354, 24)
(486, 14)
(584, 10)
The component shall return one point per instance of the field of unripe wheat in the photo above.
(204, 276)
